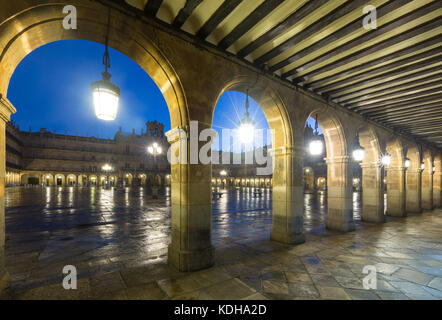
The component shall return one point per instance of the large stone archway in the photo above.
(396, 179)
(26, 26)
(413, 181)
(339, 182)
(287, 158)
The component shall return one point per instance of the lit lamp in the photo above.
(154, 149)
(106, 94)
(223, 173)
(386, 160)
(358, 151)
(407, 162)
(315, 146)
(246, 125)
(422, 165)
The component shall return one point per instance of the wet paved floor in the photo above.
(117, 240)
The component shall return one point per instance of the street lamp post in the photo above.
(155, 150)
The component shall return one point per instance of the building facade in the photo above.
(48, 158)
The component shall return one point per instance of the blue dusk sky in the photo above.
(51, 89)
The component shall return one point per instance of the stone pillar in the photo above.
(288, 196)
(372, 193)
(339, 194)
(413, 190)
(427, 187)
(6, 109)
(396, 192)
(437, 183)
(191, 199)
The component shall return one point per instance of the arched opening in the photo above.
(35, 27)
(396, 179)
(373, 174)
(339, 176)
(240, 157)
(276, 155)
(413, 179)
(427, 179)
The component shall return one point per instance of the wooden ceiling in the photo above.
(392, 74)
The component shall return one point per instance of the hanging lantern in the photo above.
(386, 160)
(316, 145)
(246, 125)
(358, 151)
(106, 95)
(422, 165)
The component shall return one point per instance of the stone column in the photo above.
(413, 190)
(372, 193)
(191, 199)
(6, 109)
(288, 196)
(396, 192)
(339, 194)
(427, 187)
(437, 183)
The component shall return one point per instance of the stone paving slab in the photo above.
(118, 242)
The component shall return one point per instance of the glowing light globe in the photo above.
(386, 160)
(246, 132)
(358, 154)
(106, 96)
(315, 147)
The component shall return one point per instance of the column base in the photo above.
(373, 218)
(338, 225)
(289, 238)
(5, 285)
(194, 260)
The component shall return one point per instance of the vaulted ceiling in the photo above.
(391, 74)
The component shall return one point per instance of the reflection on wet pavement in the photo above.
(111, 231)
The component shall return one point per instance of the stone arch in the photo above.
(413, 179)
(71, 179)
(93, 180)
(270, 102)
(437, 181)
(287, 204)
(339, 180)
(427, 179)
(372, 176)
(48, 179)
(26, 28)
(396, 149)
(60, 179)
(396, 178)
